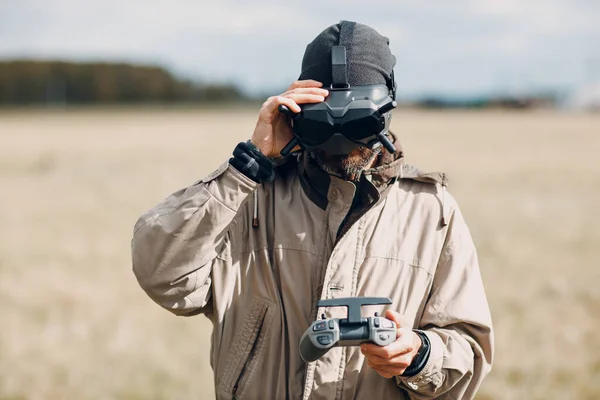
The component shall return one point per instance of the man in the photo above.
(258, 242)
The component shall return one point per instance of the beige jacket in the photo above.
(198, 252)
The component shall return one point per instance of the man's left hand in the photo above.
(393, 359)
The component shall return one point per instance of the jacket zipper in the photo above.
(353, 208)
(247, 362)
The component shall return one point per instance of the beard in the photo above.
(347, 166)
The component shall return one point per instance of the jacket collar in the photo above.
(372, 185)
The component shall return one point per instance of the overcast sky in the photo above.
(452, 47)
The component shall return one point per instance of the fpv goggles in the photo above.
(349, 117)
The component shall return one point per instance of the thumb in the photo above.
(400, 320)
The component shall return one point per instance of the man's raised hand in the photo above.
(273, 130)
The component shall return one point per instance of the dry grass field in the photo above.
(75, 325)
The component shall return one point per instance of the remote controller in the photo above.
(327, 333)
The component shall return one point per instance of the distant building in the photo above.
(586, 98)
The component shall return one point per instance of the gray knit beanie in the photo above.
(368, 55)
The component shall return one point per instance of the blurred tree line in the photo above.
(24, 82)
(29, 82)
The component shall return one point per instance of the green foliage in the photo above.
(25, 82)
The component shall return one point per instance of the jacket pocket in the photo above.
(246, 350)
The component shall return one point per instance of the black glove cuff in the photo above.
(421, 358)
(250, 161)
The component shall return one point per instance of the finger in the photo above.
(387, 372)
(305, 83)
(305, 98)
(400, 320)
(311, 90)
(402, 360)
(396, 348)
(382, 355)
(270, 106)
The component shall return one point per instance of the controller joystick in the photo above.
(326, 333)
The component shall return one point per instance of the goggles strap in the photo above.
(346, 32)
(339, 66)
(392, 85)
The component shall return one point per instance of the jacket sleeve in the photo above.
(457, 322)
(174, 243)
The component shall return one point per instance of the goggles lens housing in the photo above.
(354, 113)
